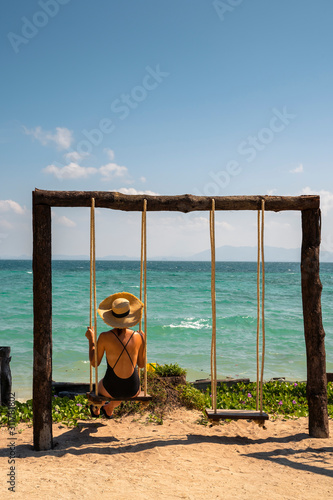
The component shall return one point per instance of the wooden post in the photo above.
(313, 327)
(5, 376)
(42, 290)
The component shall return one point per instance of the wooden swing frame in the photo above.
(309, 206)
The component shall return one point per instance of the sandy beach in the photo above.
(129, 458)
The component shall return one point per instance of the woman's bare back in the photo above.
(124, 350)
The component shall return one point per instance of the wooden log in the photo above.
(313, 327)
(180, 203)
(70, 387)
(203, 384)
(42, 307)
(5, 377)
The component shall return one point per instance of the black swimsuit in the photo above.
(119, 387)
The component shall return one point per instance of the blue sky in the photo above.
(205, 97)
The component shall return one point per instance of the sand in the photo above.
(129, 458)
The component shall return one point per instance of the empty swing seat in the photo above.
(236, 415)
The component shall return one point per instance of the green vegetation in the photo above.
(169, 370)
(279, 398)
(65, 410)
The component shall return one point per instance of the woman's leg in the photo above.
(112, 404)
(109, 408)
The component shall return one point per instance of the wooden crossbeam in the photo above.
(180, 203)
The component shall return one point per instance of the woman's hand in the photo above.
(90, 334)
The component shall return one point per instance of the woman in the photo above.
(123, 347)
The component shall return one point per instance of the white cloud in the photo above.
(75, 171)
(4, 224)
(10, 205)
(112, 171)
(203, 222)
(71, 171)
(110, 153)
(62, 137)
(187, 223)
(276, 225)
(143, 179)
(75, 156)
(327, 243)
(135, 191)
(297, 170)
(326, 198)
(63, 220)
(225, 225)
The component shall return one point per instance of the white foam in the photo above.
(189, 323)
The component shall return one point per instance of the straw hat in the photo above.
(121, 310)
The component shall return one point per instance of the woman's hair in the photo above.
(120, 330)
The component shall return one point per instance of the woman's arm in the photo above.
(100, 347)
(141, 353)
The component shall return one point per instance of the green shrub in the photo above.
(191, 397)
(172, 370)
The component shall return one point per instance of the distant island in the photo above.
(224, 253)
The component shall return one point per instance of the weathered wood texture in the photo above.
(313, 327)
(42, 306)
(203, 384)
(5, 376)
(181, 203)
(236, 415)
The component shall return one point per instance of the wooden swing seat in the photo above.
(100, 400)
(236, 415)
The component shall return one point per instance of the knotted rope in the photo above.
(93, 307)
(213, 296)
(143, 283)
(260, 256)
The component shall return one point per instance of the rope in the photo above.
(213, 295)
(93, 292)
(142, 252)
(262, 302)
(260, 256)
(91, 284)
(258, 306)
(143, 280)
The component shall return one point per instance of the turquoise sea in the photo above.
(179, 316)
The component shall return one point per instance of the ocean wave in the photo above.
(189, 323)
